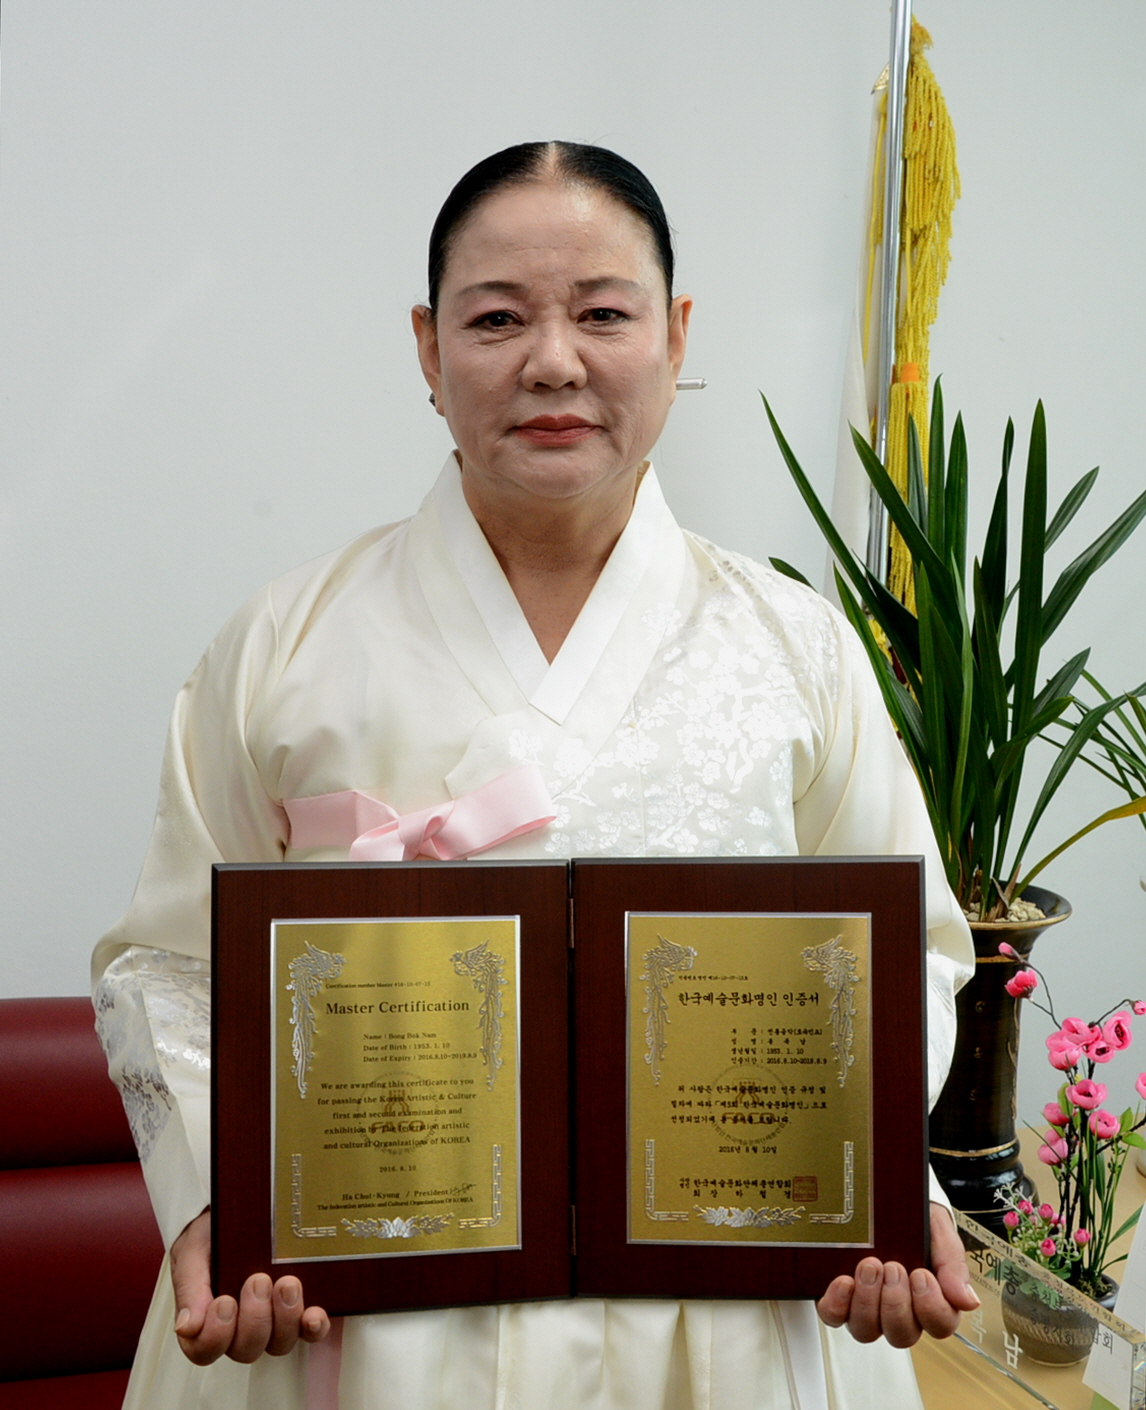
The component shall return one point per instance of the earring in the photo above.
(433, 402)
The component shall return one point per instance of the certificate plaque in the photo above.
(390, 1113)
(396, 1130)
(707, 1205)
(446, 1083)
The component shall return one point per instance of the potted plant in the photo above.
(1085, 1144)
(968, 716)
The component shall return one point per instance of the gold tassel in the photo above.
(930, 190)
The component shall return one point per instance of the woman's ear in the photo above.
(680, 312)
(426, 333)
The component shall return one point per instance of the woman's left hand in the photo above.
(884, 1300)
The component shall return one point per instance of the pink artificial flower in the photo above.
(1005, 949)
(1103, 1124)
(1100, 1050)
(1054, 1149)
(1081, 1236)
(1046, 1248)
(1022, 983)
(1026, 1207)
(1139, 1006)
(1075, 1031)
(1046, 1211)
(1062, 1053)
(1055, 1114)
(1116, 1030)
(1140, 1085)
(1087, 1094)
(1011, 1219)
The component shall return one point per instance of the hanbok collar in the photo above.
(553, 688)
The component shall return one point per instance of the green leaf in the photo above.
(1028, 636)
(789, 571)
(937, 509)
(1080, 735)
(907, 718)
(898, 624)
(933, 662)
(1009, 755)
(1134, 1138)
(846, 558)
(956, 501)
(1125, 810)
(985, 636)
(1061, 683)
(1099, 687)
(995, 544)
(1076, 575)
(917, 492)
(978, 850)
(966, 698)
(901, 704)
(1126, 1227)
(917, 545)
(1070, 505)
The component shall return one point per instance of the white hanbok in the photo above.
(702, 705)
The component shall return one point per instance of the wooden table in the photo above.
(952, 1376)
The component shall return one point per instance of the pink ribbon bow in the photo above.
(507, 806)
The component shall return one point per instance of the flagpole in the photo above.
(877, 537)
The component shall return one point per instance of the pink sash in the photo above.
(507, 806)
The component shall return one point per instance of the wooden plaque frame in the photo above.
(891, 889)
(246, 900)
(573, 1112)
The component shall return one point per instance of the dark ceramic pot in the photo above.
(1052, 1336)
(974, 1143)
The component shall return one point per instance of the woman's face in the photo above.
(554, 354)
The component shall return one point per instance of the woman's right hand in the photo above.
(268, 1317)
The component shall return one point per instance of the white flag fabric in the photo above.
(851, 495)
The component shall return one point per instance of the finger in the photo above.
(214, 1336)
(863, 1319)
(190, 1264)
(315, 1325)
(932, 1310)
(192, 1301)
(836, 1303)
(286, 1311)
(950, 1263)
(896, 1314)
(256, 1320)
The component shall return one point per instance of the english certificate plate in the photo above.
(395, 1122)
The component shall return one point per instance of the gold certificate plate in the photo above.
(396, 1091)
(749, 1080)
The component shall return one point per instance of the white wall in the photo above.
(212, 225)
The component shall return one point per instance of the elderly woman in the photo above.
(542, 606)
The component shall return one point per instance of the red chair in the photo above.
(79, 1247)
